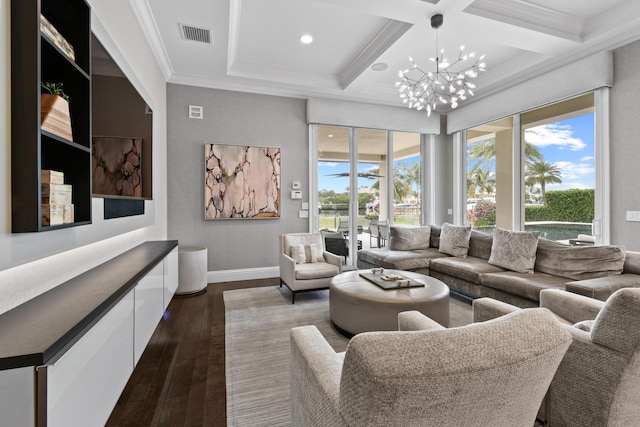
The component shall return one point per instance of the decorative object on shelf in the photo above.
(448, 84)
(241, 182)
(54, 111)
(56, 38)
(116, 165)
(57, 198)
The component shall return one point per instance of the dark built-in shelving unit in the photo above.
(34, 59)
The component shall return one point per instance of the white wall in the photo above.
(32, 263)
(625, 146)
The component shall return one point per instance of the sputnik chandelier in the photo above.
(450, 83)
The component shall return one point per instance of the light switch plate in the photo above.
(296, 194)
(633, 215)
(303, 214)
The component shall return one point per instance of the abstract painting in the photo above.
(241, 182)
(116, 163)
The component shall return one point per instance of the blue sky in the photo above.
(340, 184)
(566, 143)
(569, 145)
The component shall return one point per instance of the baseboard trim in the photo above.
(242, 274)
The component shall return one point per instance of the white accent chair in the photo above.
(598, 381)
(310, 274)
(486, 374)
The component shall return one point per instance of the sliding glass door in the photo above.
(366, 180)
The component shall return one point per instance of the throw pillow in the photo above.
(298, 254)
(409, 238)
(315, 253)
(514, 250)
(454, 240)
(303, 254)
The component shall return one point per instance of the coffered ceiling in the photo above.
(254, 45)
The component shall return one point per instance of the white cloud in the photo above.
(587, 159)
(328, 164)
(552, 134)
(574, 171)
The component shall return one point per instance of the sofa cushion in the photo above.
(469, 269)
(316, 270)
(514, 250)
(522, 284)
(409, 238)
(400, 260)
(632, 262)
(435, 236)
(454, 240)
(480, 244)
(579, 262)
(602, 287)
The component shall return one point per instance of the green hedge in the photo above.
(565, 205)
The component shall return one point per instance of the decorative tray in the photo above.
(391, 281)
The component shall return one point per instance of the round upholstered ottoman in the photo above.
(357, 305)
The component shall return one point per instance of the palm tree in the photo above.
(411, 175)
(543, 173)
(484, 153)
(400, 187)
(484, 180)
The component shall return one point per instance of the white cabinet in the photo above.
(149, 297)
(84, 385)
(112, 315)
(17, 397)
(170, 276)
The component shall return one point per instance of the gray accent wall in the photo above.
(234, 118)
(625, 145)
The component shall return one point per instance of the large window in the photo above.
(553, 169)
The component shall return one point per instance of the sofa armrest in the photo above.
(416, 321)
(315, 379)
(571, 307)
(333, 259)
(287, 269)
(489, 308)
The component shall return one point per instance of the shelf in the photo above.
(35, 59)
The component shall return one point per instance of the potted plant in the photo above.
(54, 111)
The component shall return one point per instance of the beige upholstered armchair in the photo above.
(304, 263)
(487, 374)
(598, 381)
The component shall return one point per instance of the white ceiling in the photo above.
(255, 43)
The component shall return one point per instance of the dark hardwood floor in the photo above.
(180, 378)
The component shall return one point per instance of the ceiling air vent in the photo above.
(196, 34)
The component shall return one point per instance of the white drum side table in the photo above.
(192, 270)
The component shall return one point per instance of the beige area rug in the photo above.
(257, 323)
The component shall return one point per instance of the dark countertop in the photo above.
(43, 328)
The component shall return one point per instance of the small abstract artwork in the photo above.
(241, 182)
(116, 163)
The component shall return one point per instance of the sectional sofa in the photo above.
(514, 269)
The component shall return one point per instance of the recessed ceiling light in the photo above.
(330, 135)
(379, 66)
(306, 39)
